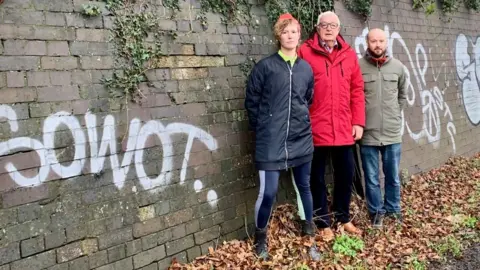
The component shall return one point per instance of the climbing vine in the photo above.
(473, 4)
(428, 6)
(232, 11)
(306, 12)
(138, 38)
(91, 10)
(447, 7)
(174, 5)
(134, 53)
(360, 7)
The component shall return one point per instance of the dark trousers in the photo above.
(343, 167)
(268, 191)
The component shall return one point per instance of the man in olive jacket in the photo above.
(385, 96)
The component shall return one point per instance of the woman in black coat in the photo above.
(279, 92)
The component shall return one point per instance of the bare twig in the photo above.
(218, 237)
(246, 227)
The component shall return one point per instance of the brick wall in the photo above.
(443, 111)
(86, 185)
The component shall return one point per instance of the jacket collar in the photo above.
(314, 43)
(287, 58)
(325, 45)
(377, 61)
(277, 56)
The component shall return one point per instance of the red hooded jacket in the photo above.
(338, 99)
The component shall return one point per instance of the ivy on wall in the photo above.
(91, 10)
(305, 12)
(473, 4)
(138, 38)
(232, 11)
(446, 7)
(360, 7)
(134, 25)
(235, 12)
(428, 6)
(449, 6)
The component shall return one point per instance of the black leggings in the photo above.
(268, 191)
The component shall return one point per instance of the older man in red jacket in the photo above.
(337, 116)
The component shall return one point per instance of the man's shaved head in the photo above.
(376, 32)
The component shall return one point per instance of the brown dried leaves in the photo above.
(444, 202)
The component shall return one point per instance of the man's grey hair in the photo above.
(326, 14)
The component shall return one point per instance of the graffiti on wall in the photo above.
(467, 60)
(136, 144)
(432, 99)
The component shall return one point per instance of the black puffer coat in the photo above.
(277, 102)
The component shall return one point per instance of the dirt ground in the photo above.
(469, 261)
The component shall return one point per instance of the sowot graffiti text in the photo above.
(136, 140)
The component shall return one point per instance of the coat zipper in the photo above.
(326, 66)
(288, 119)
(380, 99)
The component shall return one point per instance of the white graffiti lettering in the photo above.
(136, 144)
(468, 72)
(97, 159)
(432, 99)
(49, 127)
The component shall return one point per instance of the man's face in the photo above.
(377, 42)
(328, 28)
(290, 36)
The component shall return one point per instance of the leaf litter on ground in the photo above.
(441, 215)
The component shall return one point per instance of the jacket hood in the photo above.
(314, 43)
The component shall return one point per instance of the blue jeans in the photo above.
(391, 163)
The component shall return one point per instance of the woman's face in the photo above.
(290, 36)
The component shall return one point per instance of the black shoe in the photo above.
(396, 216)
(308, 228)
(377, 220)
(260, 243)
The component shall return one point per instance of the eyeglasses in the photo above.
(325, 25)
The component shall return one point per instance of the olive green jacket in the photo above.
(385, 97)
